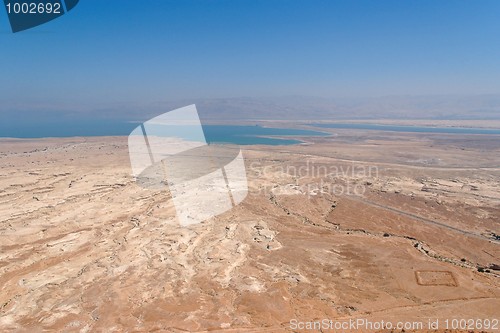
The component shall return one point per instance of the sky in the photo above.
(118, 53)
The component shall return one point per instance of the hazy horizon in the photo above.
(125, 60)
(431, 107)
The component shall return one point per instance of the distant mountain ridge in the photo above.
(481, 107)
(446, 107)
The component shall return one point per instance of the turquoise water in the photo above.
(233, 134)
(240, 135)
(413, 129)
(255, 135)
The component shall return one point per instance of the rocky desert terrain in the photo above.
(359, 225)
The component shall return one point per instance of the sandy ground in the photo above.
(360, 225)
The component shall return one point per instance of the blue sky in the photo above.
(110, 53)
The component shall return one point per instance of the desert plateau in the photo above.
(365, 225)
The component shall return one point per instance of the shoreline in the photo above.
(311, 125)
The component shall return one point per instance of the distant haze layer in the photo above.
(475, 107)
